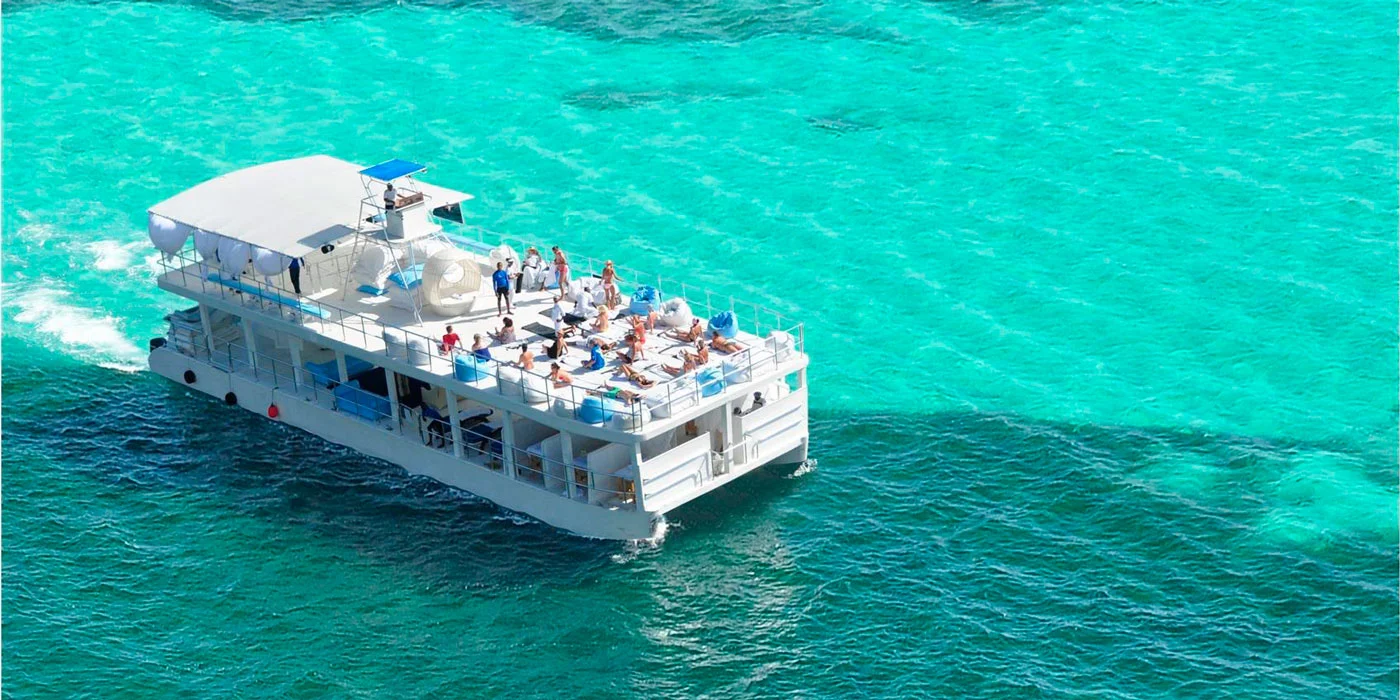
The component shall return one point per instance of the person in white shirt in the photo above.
(557, 315)
(390, 197)
(533, 269)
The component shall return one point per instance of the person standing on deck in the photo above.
(294, 269)
(610, 294)
(561, 268)
(390, 197)
(500, 279)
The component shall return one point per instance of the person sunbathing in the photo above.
(507, 332)
(637, 378)
(600, 324)
(601, 343)
(612, 392)
(688, 365)
(701, 355)
(634, 350)
(560, 377)
(527, 358)
(723, 344)
(695, 333)
(639, 327)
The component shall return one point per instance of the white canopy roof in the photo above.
(289, 206)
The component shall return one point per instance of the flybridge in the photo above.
(619, 394)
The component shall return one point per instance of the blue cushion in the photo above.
(408, 278)
(468, 368)
(596, 410)
(644, 300)
(350, 398)
(371, 290)
(725, 323)
(324, 373)
(711, 381)
(306, 308)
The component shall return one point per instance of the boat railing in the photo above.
(420, 350)
(477, 448)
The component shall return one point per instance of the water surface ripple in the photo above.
(1101, 303)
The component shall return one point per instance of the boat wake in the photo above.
(73, 330)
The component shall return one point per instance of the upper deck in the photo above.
(230, 243)
(331, 314)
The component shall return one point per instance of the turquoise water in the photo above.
(1101, 300)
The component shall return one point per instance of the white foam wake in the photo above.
(111, 255)
(74, 330)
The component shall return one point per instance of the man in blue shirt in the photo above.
(500, 279)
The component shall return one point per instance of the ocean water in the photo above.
(1101, 299)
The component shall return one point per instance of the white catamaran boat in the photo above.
(323, 292)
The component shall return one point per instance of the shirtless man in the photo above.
(611, 392)
(721, 344)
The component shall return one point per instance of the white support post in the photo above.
(392, 380)
(508, 443)
(637, 476)
(340, 367)
(566, 446)
(727, 455)
(294, 345)
(248, 339)
(455, 426)
(208, 329)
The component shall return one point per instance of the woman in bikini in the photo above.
(695, 333)
(637, 378)
(560, 377)
(688, 365)
(610, 295)
(634, 350)
(527, 358)
(719, 343)
(561, 268)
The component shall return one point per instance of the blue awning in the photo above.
(392, 170)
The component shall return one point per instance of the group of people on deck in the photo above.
(631, 350)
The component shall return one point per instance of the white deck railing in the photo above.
(330, 320)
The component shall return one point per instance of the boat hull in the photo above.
(379, 442)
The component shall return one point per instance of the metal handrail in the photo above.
(350, 321)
